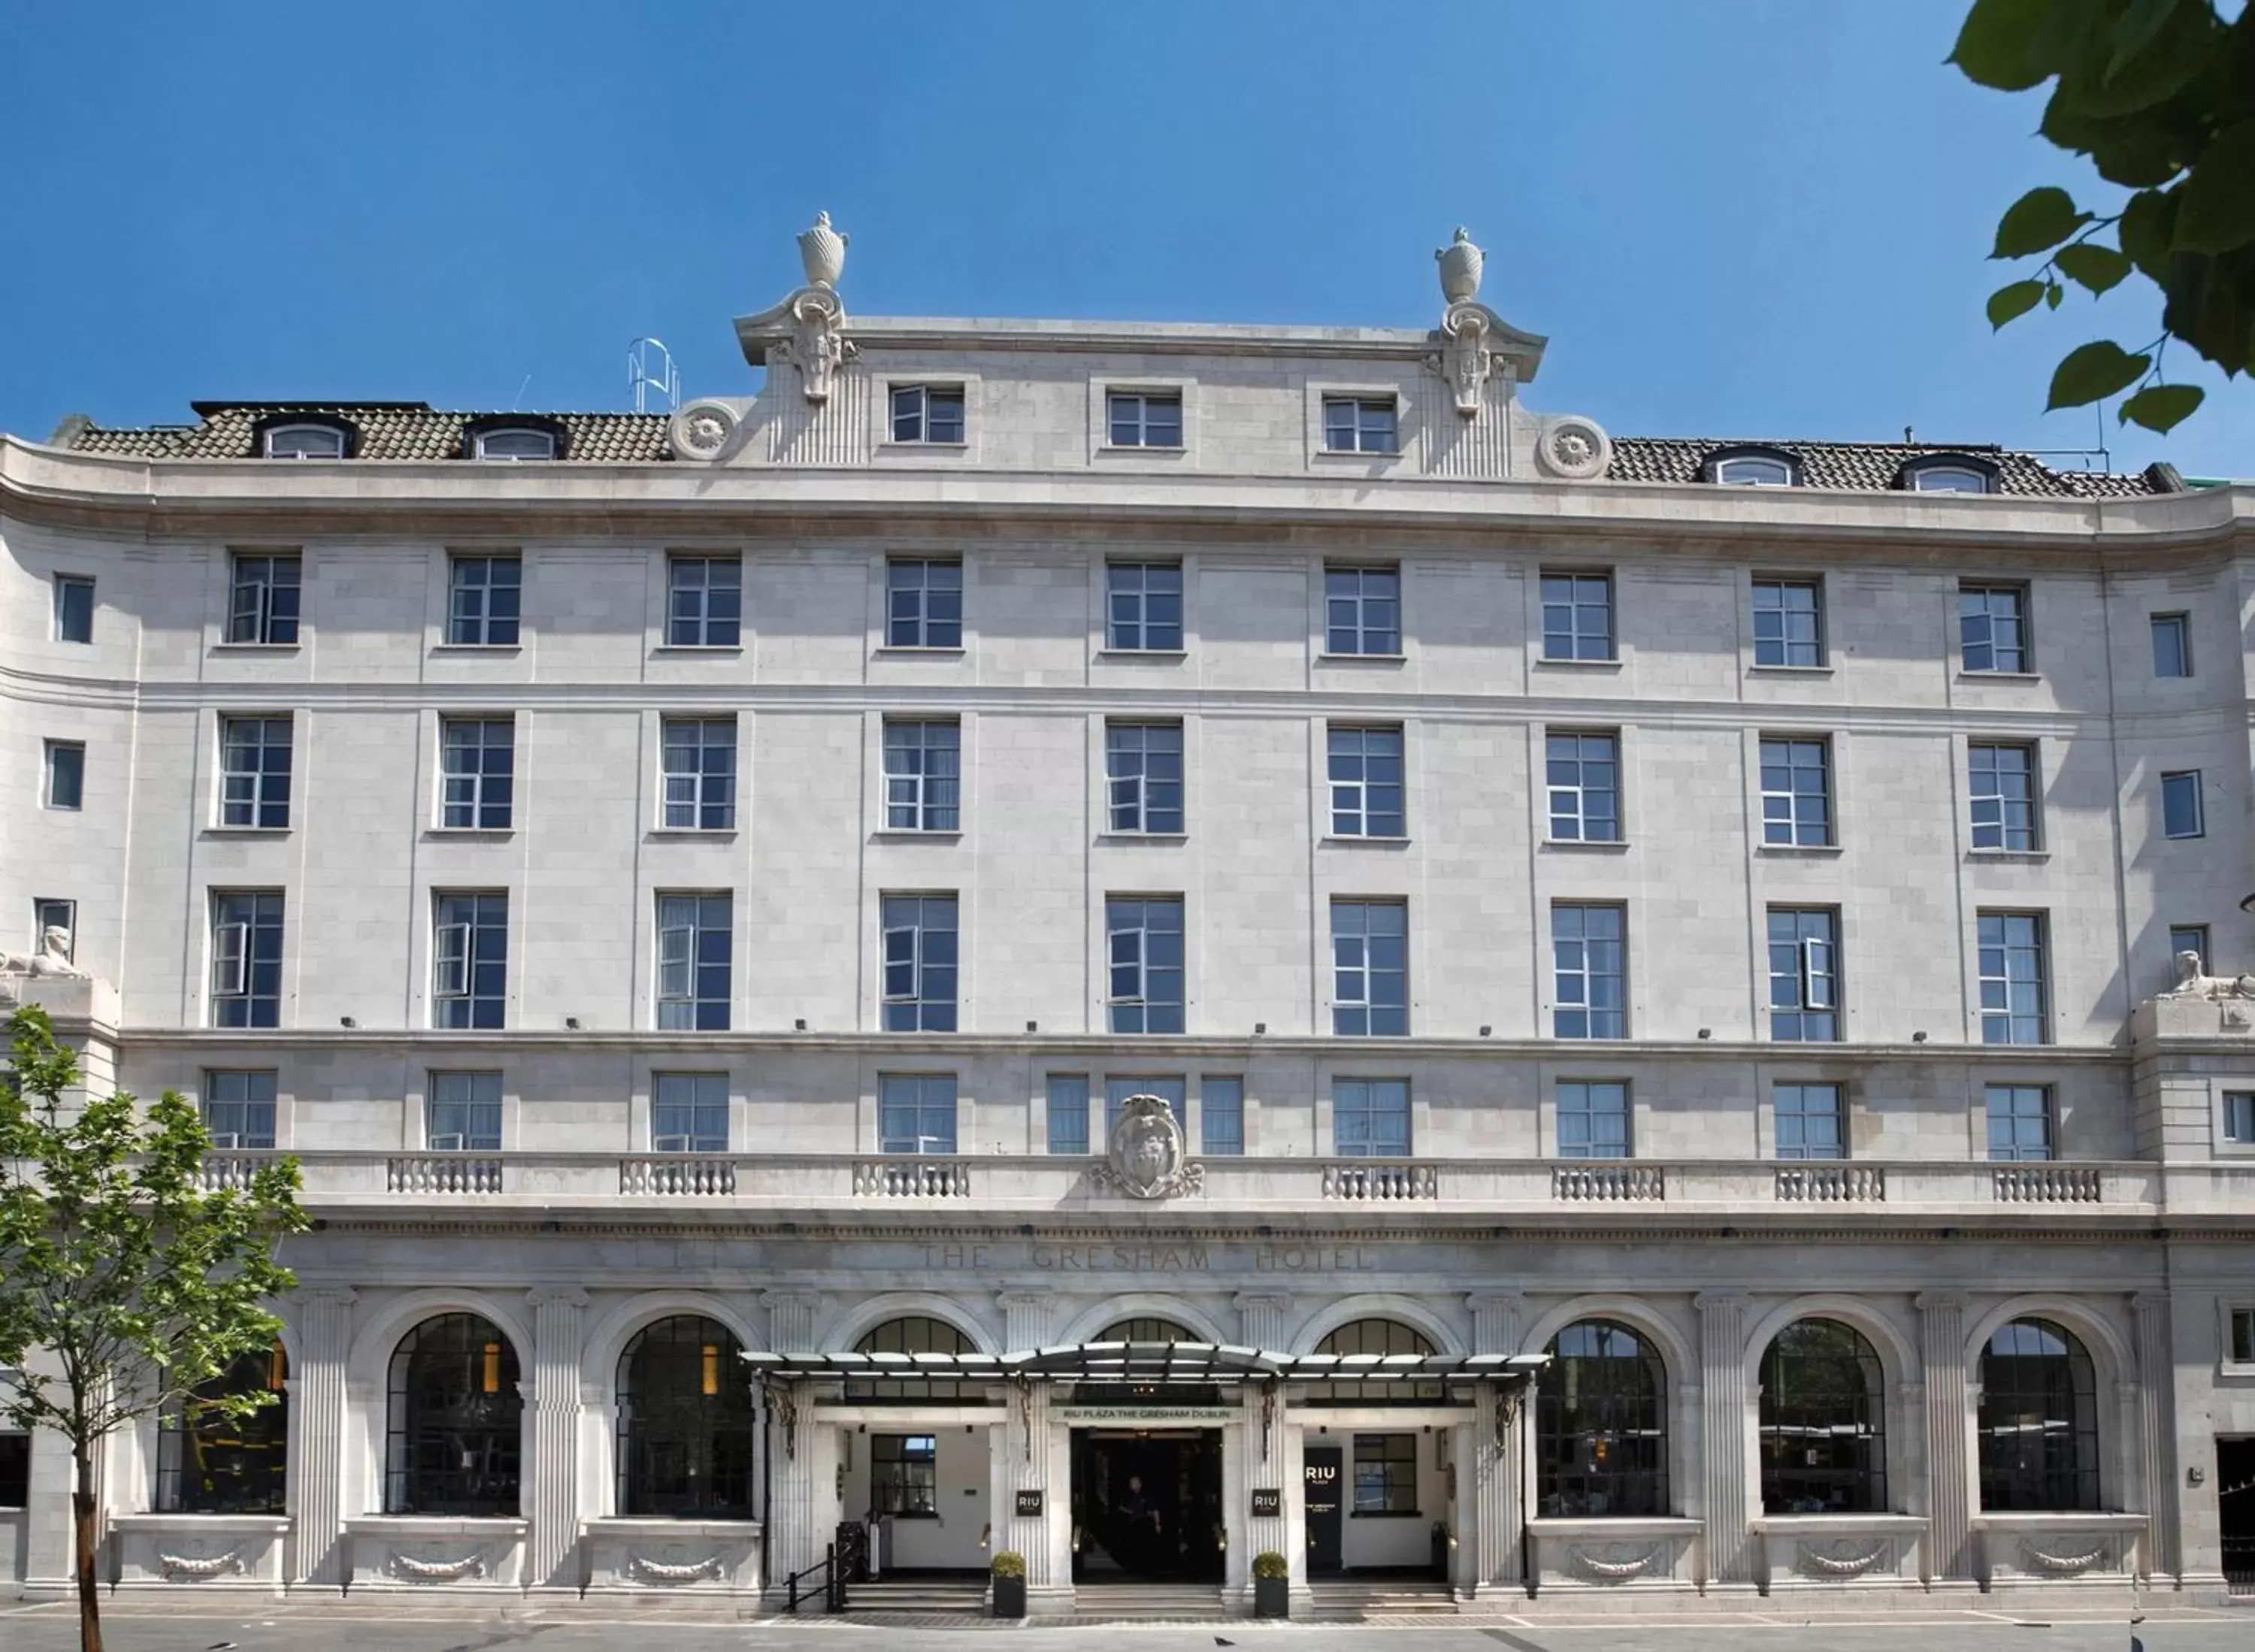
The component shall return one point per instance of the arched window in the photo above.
(685, 1422)
(2039, 1426)
(1755, 470)
(452, 1441)
(1948, 478)
(1377, 1336)
(1146, 1328)
(303, 441)
(209, 1463)
(1601, 1424)
(515, 441)
(1824, 1422)
(915, 1333)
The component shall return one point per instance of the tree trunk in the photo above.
(89, 1603)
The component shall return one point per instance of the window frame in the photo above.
(1922, 480)
(1625, 1414)
(2235, 1119)
(1801, 1149)
(1141, 419)
(1360, 637)
(693, 980)
(1865, 1474)
(1373, 422)
(1573, 603)
(463, 949)
(1153, 804)
(1785, 644)
(475, 618)
(1065, 1097)
(1365, 815)
(1228, 1091)
(915, 615)
(254, 1113)
(241, 1465)
(478, 798)
(1720, 466)
(2197, 936)
(686, 1449)
(916, 798)
(281, 432)
(1589, 1140)
(457, 1096)
(61, 761)
(2007, 1481)
(1370, 994)
(49, 911)
(65, 587)
(700, 796)
(2025, 1105)
(239, 947)
(919, 990)
(1145, 1009)
(247, 791)
(705, 1104)
(1564, 1008)
(921, 395)
(2005, 1014)
(905, 1476)
(1129, 627)
(267, 618)
(1580, 790)
(1792, 813)
(482, 443)
(926, 1105)
(1370, 1104)
(2179, 622)
(2021, 650)
(703, 612)
(2000, 800)
(1393, 1456)
(1813, 972)
(479, 1444)
(2181, 786)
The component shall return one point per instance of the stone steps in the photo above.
(1119, 1602)
(965, 1596)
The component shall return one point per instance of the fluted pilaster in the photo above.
(1950, 1480)
(1028, 1318)
(1723, 1431)
(2157, 1382)
(1024, 1443)
(317, 1425)
(552, 1551)
(1498, 1455)
(794, 1539)
(791, 1315)
(1263, 1319)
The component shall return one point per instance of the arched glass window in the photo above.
(209, 1463)
(915, 1333)
(1948, 478)
(1377, 1336)
(304, 442)
(1753, 470)
(1601, 1424)
(1824, 1422)
(1146, 1328)
(2038, 1425)
(452, 1441)
(516, 442)
(685, 1422)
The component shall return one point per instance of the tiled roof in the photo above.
(411, 430)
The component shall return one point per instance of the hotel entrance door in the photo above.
(1147, 1503)
(1320, 1481)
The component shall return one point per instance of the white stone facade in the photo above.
(799, 1233)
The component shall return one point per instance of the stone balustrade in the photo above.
(1831, 1185)
(677, 1176)
(1381, 1181)
(1583, 1183)
(2049, 1185)
(443, 1175)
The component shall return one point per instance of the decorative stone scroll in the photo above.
(2065, 1565)
(659, 1571)
(1147, 1158)
(1835, 1561)
(1614, 1563)
(218, 1565)
(415, 1570)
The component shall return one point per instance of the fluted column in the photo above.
(1028, 1317)
(1261, 1319)
(793, 1540)
(1723, 1434)
(552, 1546)
(1949, 1472)
(317, 1429)
(2157, 1380)
(1498, 1504)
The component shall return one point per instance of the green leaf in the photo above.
(2162, 407)
(2043, 218)
(2135, 29)
(2009, 304)
(2092, 373)
(1998, 45)
(2216, 209)
(2094, 266)
(2053, 294)
(2184, 45)
(2147, 222)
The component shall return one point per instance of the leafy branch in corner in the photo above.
(2160, 95)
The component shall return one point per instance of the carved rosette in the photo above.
(1574, 449)
(1147, 1156)
(701, 430)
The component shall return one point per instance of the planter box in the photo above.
(1272, 1597)
(436, 1553)
(1009, 1597)
(647, 1557)
(205, 1551)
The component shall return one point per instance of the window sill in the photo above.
(1595, 846)
(919, 649)
(477, 648)
(255, 648)
(1964, 676)
(1543, 662)
(1365, 841)
(1798, 851)
(914, 835)
(1789, 670)
(697, 647)
(477, 835)
(1328, 659)
(1162, 656)
(719, 834)
(1143, 837)
(2238, 1371)
(1384, 1513)
(241, 831)
(896, 445)
(1362, 454)
(1143, 450)
(2011, 857)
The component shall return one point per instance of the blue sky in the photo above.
(1732, 217)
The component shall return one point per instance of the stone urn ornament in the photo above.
(822, 253)
(1460, 262)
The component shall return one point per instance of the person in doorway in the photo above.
(1137, 1521)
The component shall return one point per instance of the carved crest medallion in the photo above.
(1146, 1157)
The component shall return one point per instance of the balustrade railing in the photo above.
(912, 1179)
(1831, 1185)
(677, 1176)
(445, 1175)
(2047, 1185)
(1380, 1183)
(232, 1170)
(1580, 1183)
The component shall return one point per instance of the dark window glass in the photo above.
(920, 962)
(66, 774)
(905, 1476)
(1068, 1114)
(2180, 805)
(1362, 611)
(915, 1113)
(1143, 768)
(1143, 606)
(1601, 1425)
(15, 1470)
(1221, 1109)
(2001, 787)
(2189, 938)
(1366, 782)
(239, 1109)
(1369, 1340)
(211, 1463)
(1145, 937)
(2013, 990)
(463, 1113)
(1591, 982)
(469, 960)
(479, 758)
(1789, 623)
(924, 603)
(1584, 778)
(2172, 645)
(254, 771)
(1993, 627)
(700, 774)
(1370, 1118)
(482, 601)
(928, 413)
(689, 1112)
(1804, 974)
(1824, 1422)
(923, 766)
(1796, 787)
(915, 1333)
(1145, 418)
(1370, 969)
(1360, 425)
(454, 1421)
(246, 957)
(696, 941)
(686, 1423)
(2019, 1122)
(704, 601)
(1577, 616)
(263, 599)
(2039, 1422)
(1384, 1474)
(74, 609)
(1809, 1121)
(1593, 1118)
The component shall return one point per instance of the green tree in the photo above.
(122, 1284)
(2160, 95)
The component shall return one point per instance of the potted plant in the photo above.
(1272, 1584)
(1009, 1573)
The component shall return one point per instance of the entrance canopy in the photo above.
(1151, 1362)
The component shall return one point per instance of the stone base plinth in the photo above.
(219, 1552)
(672, 1557)
(436, 1554)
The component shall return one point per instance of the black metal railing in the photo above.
(834, 1583)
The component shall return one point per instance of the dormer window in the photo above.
(515, 441)
(928, 413)
(303, 441)
(1754, 470)
(1949, 474)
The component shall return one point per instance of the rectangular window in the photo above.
(74, 609)
(1370, 1118)
(1145, 934)
(920, 956)
(478, 760)
(924, 603)
(470, 959)
(246, 957)
(1169, 1087)
(904, 1475)
(1583, 776)
(1804, 974)
(1360, 425)
(704, 601)
(915, 1113)
(700, 773)
(924, 760)
(1796, 784)
(1068, 1113)
(1362, 611)
(262, 599)
(1366, 782)
(1143, 607)
(463, 1113)
(482, 596)
(1993, 627)
(48, 914)
(696, 945)
(2181, 816)
(239, 1109)
(1788, 622)
(1221, 1117)
(66, 785)
(1593, 1118)
(2189, 938)
(1589, 954)
(689, 1112)
(1143, 766)
(1807, 1121)
(254, 762)
(2019, 1121)
(2239, 1117)
(15, 1469)
(2172, 645)
(2013, 984)
(1370, 968)
(2243, 1341)
(1386, 1473)
(2001, 782)
(1146, 418)
(929, 413)
(1577, 616)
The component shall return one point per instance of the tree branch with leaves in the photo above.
(2160, 95)
(124, 1286)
